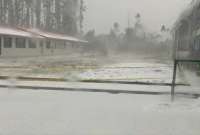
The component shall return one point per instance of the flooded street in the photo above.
(134, 69)
(43, 112)
(49, 112)
(99, 67)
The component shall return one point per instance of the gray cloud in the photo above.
(101, 14)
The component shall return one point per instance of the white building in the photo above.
(16, 42)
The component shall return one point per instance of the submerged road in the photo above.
(111, 88)
(58, 112)
(120, 78)
(41, 107)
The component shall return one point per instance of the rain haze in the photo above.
(99, 67)
(101, 14)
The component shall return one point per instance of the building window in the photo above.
(7, 42)
(20, 43)
(41, 44)
(68, 43)
(48, 44)
(31, 44)
(60, 45)
(55, 45)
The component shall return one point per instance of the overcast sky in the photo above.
(101, 14)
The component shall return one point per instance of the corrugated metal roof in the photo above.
(17, 32)
(35, 33)
(55, 36)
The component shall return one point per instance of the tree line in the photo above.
(64, 16)
(134, 39)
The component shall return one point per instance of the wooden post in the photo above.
(174, 81)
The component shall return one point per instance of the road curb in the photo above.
(89, 90)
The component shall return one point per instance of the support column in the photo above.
(174, 81)
(2, 46)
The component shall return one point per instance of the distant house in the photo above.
(187, 33)
(32, 42)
